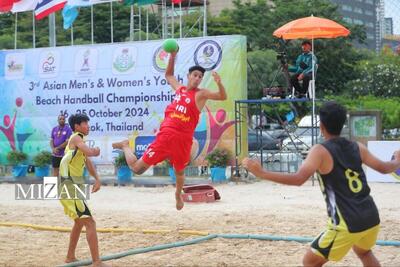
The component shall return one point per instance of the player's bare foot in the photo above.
(100, 264)
(68, 260)
(120, 145)
(179, 201)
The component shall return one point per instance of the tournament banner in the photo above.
(121, 87)
(383, 150)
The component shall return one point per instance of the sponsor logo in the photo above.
(14, 66)
(160, 59)
(49, 64)
(142, 143)
(208, 54)
(124, 60)
(86, 61)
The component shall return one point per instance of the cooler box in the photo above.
(200, 193)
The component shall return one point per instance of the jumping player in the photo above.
(353, 215)
(72, 165)
(175, 137)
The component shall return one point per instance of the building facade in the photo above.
(370, 14)
(388, 29)
(216, 6)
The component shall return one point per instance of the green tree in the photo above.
(81, 27)
(258, 20)
(389, 106)
(378, 76)
(262, 68)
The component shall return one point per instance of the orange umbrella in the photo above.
(310, 28)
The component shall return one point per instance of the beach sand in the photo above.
(257, 208)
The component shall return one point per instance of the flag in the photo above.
(139, 2)
(70, 11)
(6, 5)
(24, 5)
(94, 2)
(46, 7)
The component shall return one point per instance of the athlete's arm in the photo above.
(169, 73)
(311, 164)
(377, 164)
(77, 141)
(221, 94)
(92, 170)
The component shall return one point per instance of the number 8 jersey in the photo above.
(347, 194)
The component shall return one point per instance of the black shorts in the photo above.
(55, 161)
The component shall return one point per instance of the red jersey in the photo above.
(182, 115)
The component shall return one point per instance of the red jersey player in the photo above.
(174, 140)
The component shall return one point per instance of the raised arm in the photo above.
(311, 164)
(169, 73)
(377, 164)
(221, 94)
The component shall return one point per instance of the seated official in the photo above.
(303, 69)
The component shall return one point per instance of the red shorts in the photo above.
(172, 146)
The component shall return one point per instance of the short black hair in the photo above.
(197, 67)
(306, 42)
(333, 116)
(77, 119)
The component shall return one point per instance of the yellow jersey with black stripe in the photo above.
(347, 194)
(73, 162)
(71, 172)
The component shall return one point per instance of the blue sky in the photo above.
(392, 10)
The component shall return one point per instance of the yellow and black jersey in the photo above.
(346, 191)
(71, 173)
(73, 162)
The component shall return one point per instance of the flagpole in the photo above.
(205, 19)
(112, 23)
(147, 24)
(163, 17)
(131, 26)
(72, 34)
(33, 29)
(52, 30)
(91, 24)
(16, 30)
(173, 19)
(180, 19)
(140, 23)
